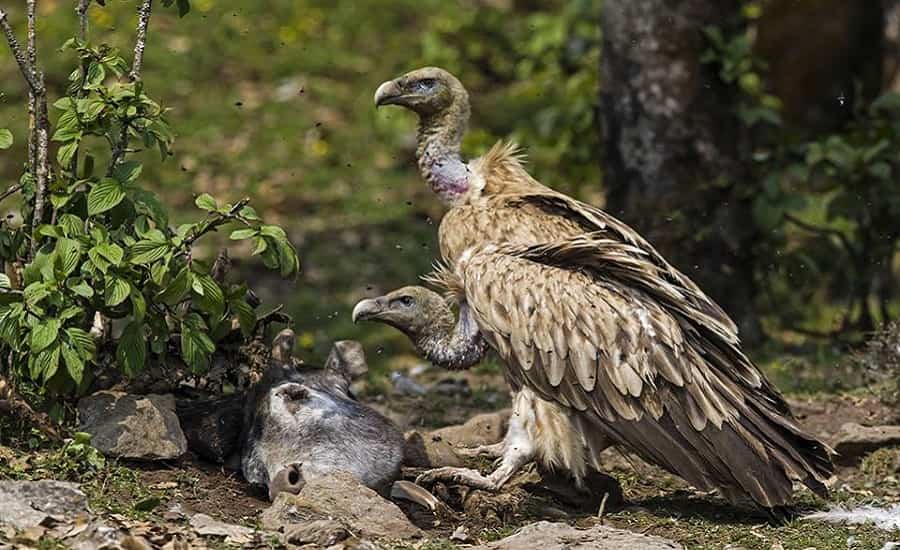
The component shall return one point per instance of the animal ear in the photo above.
(347, 359)
(283, 345)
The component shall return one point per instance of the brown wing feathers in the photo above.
(592, 331)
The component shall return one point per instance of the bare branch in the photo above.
(141, 41)
(13, 189)
(134, 75)
(82, 10)
(30, 7)
(24, 67)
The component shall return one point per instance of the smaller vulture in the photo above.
(608, 342)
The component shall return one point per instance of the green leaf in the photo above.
(95, 76)
(249, 213)
(4, 281)
(273, 231)
(206, 202)
(177, 289)
(74, 363)
(35, 293)
(104, 196)
(83, 342)
(196, 346)
(45, 363)
(239, 234)
(147, 202)
(245, 315)
(131, 353)
(68, 128)
(65, 153)
(117, 290)
(288, 261)
(158, 272)
(127, 172)
(146, 251)
(138, 304)
(111, 252)
(80, 288)
(212, 300)
(184, 7)
(68, 252)
(6, 138)
(43, 334)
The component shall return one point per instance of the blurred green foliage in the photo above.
(828, 204)
(273, 100)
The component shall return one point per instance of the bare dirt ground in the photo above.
(164, 496)
(655, 502)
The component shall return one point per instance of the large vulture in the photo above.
(605, 341)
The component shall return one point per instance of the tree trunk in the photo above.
(675, 156)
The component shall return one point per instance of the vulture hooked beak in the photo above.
(368, 309)
(389, 93)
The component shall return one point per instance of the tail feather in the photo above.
(729, 458)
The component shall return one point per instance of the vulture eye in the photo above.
(406, 301)
(426, 85)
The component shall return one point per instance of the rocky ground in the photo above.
(185, 503)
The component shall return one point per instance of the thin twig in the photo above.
(141, 41)
(214, 221)
(134, 75)
(24, 67)
(82, 10)
(13, 189)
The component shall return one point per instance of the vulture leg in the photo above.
(516, 450)
(513, 459)
(490, 451)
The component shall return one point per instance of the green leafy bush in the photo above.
(105, 250)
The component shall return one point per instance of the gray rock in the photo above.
(404, 385)
(133, 426)
(206, 526)
(855, 441)
(545, 535)
(342, 498)
(25, 504)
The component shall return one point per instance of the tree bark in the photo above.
(674, 153)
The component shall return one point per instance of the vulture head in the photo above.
(428, 321)
(429, 92)
(414, 310)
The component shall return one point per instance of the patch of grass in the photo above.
(881, 463)
(702, 532)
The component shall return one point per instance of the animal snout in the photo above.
(288, 480)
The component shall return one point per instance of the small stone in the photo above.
(404, 385)
(133, 426)
(855, 441)
(205, 525)
(545, 535)
(461, 534)
(342, 498)
(25, 504)
(322, 533)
